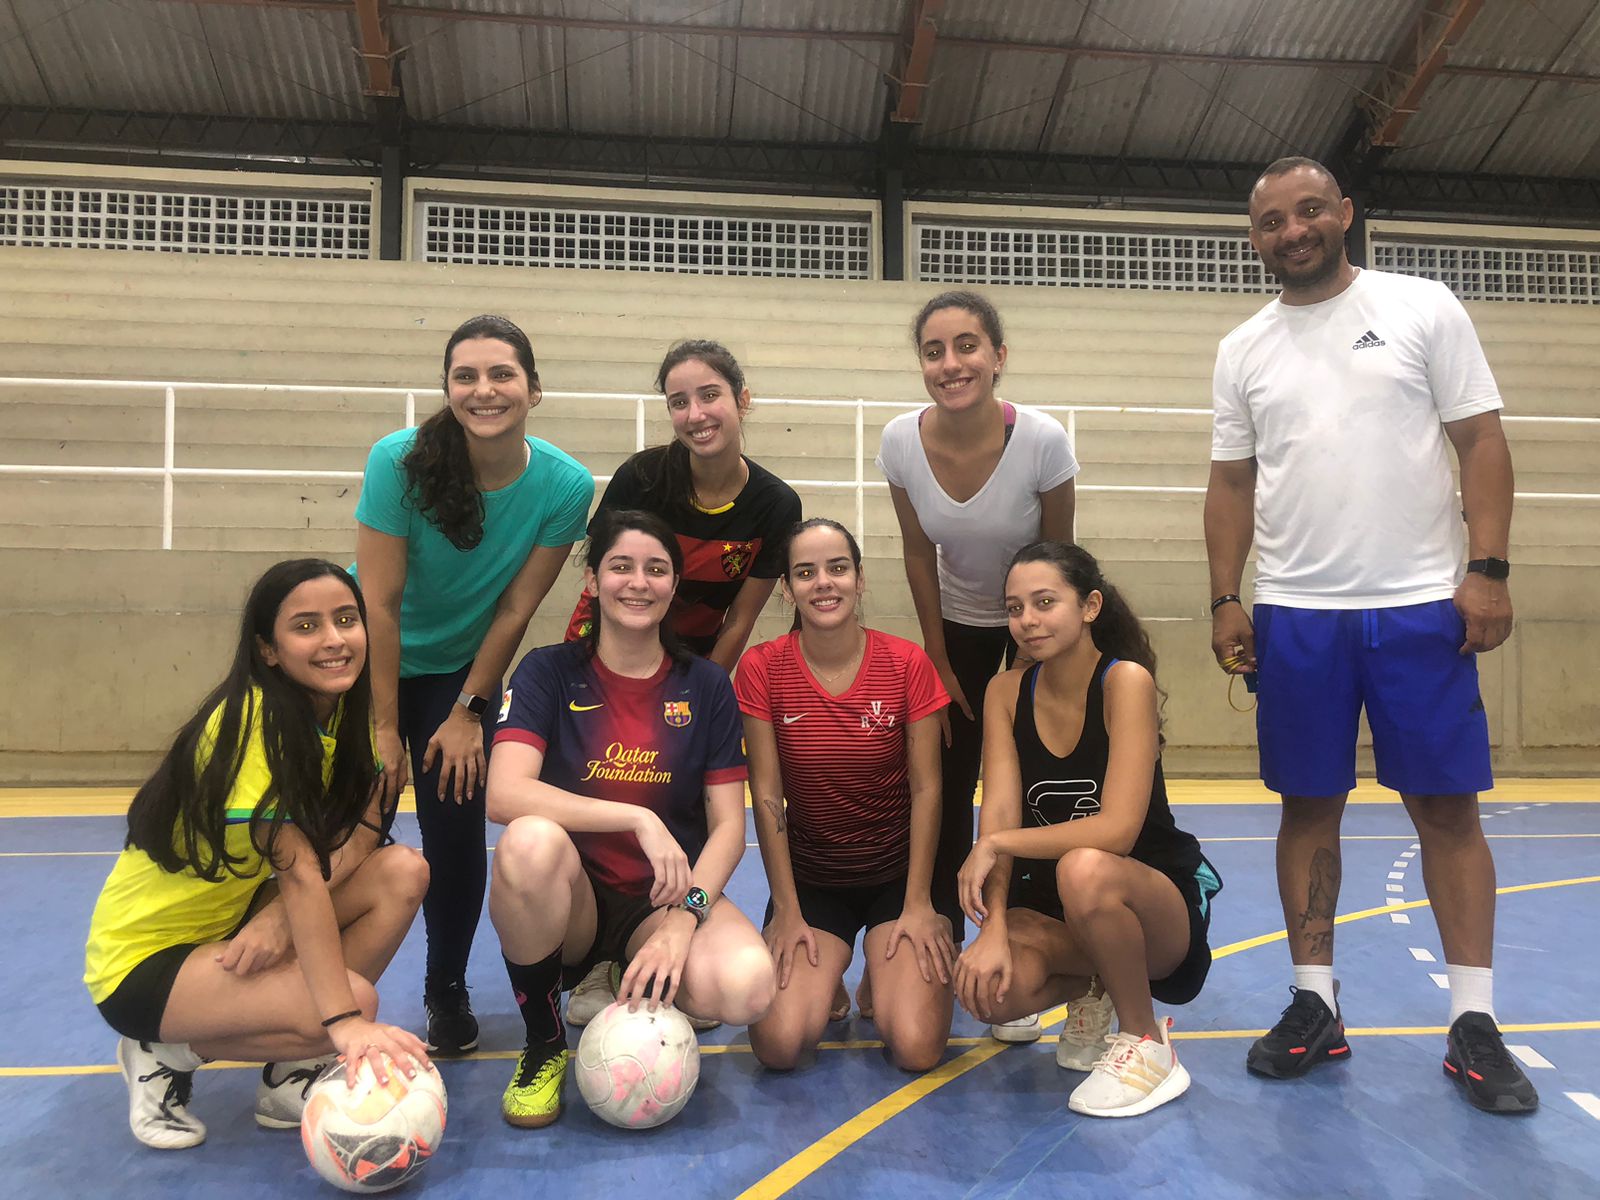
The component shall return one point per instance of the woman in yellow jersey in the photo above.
(253, 905)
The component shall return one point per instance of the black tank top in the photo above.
(1069, 788)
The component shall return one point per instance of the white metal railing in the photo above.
(169, 471)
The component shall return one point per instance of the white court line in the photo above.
(1421, 955)
(1393, 900)
(1588, 1101)
(1397, 874)
(1400, 918)
(1393, 887)
(1442, 981)
(1532, 1058)
(1520, 808)
(1488, 816)
(1400, 864)
(1409, 854)
(1416, 845)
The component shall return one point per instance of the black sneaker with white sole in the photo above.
(452, 1029)
(1306, 1034)
(1476, 1057)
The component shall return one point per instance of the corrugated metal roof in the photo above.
(170, 55)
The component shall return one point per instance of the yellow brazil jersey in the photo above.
(144, 908)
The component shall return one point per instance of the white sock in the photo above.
(1318, 980)
(179, 1056)
(1471, 990)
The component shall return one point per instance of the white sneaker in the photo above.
(1022, 1030)
(1088, 1024)
(160, 1079)
(595, 991)
(1134, 1075)
(282, 1090)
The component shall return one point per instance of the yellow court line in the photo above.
(1202, 1035)
(830, 1146)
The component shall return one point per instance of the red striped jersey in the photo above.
(843, 758)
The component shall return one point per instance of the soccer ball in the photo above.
(372, 1137)
(637, 1070)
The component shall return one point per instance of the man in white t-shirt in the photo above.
(1331, 409)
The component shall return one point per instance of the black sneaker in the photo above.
(1305, 1035)
(1477, 1059)
(452, 1029)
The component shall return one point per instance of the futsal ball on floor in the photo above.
(637, 1070)
(372, 1137)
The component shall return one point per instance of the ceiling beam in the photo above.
(913, 66)
(1422, 54)
(375, 50)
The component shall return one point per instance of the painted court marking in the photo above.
(1588, 1101)
(1532, 1058)
(1421, 955)
(817, 1155)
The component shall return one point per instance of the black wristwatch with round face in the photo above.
(1493, 568)
(697, 903)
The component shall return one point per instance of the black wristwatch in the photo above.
(476, 705)
(696, 903)
(1493, 568)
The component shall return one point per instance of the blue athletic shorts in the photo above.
(1317, 667)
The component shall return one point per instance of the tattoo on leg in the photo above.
(1322, 900)
(775, 807)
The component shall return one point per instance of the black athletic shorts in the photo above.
(1186, 980)
(846, 911)
(618, 916)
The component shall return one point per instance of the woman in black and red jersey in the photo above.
(842, 731)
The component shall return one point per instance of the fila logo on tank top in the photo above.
(1052, 801)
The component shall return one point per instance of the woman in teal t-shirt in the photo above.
(463, 525)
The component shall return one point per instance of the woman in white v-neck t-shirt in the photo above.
(973, 479)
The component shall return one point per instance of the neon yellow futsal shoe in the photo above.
(533, 1097)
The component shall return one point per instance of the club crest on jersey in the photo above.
(505, 705)
(876, 718)
(676, 713)
(736, 558)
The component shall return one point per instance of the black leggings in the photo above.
(453, 835)
(976, 655)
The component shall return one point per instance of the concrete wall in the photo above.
(115, 639)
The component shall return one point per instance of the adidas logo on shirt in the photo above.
(1368, 341)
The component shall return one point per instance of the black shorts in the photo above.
(617, 917)
(1186, 980)
(135, 1009)
(846, 911)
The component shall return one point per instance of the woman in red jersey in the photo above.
(842, 731)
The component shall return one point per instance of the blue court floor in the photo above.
(989, 1122)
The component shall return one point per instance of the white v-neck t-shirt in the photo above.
(1342, 405)
(976, 538)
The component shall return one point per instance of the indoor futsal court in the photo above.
(989, 1121)
(236, 236)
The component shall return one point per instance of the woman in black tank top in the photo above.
(1080, 875)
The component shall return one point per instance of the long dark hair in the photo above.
(665, 471)
(608, 526)
(179, 816)
(805, 526)
(1116, 631)
(438, 469)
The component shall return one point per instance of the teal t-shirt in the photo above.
(450, 594)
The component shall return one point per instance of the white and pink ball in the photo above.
(637, 1070)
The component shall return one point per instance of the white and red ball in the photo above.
(637, 1070)
(372, 1137)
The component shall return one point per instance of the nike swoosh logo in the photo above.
(576, 707)
(791, 720)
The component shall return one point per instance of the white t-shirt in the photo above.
(977, 538)
(1340, 403)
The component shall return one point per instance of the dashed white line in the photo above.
(1588, 1101)
(1393, 887)
(1400, 918)
(1532, 1058)
(1416, 845)
(1391, 900)
(1520, 808)
(1421, 955)
(1409, 854)
(1397, 874)
(1442, 981)
(1400, 864)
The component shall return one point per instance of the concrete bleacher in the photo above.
(92, 605)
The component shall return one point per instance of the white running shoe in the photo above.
(282, 1090)
(1020, 1031)
(1133, 1076)
(1088, 1024)
(595, 991)
(160, 1079)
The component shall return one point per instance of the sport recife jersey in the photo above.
(657, 742)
